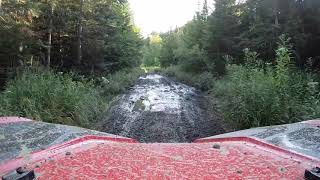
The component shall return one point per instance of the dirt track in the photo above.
(158, 109)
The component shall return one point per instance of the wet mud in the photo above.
(158, 109)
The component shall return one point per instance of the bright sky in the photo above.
(162, 15)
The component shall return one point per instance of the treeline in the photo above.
(88, 36)
(257, 59)
(211, 40)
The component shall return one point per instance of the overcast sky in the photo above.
(161, 15)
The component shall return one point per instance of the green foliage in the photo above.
(98, 38)
(183, 47)
(193, 60)
(262, 87)
(169, 46)
(220, 32)
(108, 39)
(199, 46)
(284, 60)
(254, 97)
(234, 26)
(251, 59)
(92, 38)
(152, 51)
(203, 81)
(52, 97)
(122, 41)
(117, 83)
(63, 98)
(257, 94)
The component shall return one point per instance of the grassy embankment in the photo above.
(63, 98)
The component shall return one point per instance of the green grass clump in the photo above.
(52, 97)
(254, 98)
(119, 82)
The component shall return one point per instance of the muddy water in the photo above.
(158, 109)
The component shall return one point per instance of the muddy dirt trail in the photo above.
(158, 109)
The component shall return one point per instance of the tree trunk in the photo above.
(60, 48)
(1, 9)
(92, 69)
(276, 18)
(20, 57)
(276, 12)
(48, 63)
(205, 10)
(79, 40)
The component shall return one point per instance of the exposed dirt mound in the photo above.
(158, 109)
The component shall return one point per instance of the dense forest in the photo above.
(65, 61)
(59, 55)
(258, 58)
(91, 37)
(234, 26)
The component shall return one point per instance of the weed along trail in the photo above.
(158, 109)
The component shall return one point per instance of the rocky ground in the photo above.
(158, 109)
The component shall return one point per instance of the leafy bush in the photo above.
(52, 97)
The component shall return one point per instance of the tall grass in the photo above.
(63, 98)
(119, 82)
(51, 97)
(256, 94)
(253, 97)
(203, 81)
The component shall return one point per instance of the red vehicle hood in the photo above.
(63, 152)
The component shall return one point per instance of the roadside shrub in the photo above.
(249, 97)
(254, 97)
(52, 97)
(203, 81)
(177, 73)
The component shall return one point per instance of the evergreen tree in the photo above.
(87, 36)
